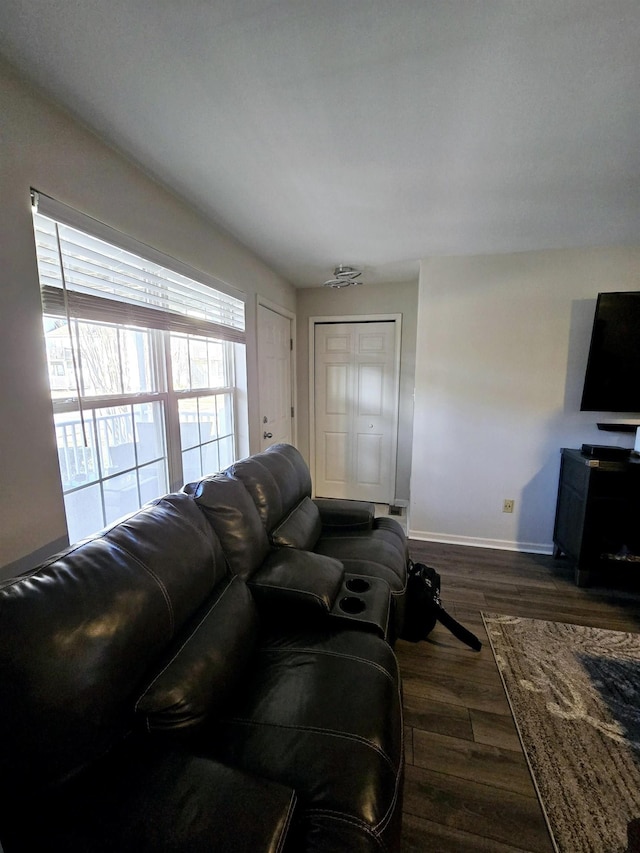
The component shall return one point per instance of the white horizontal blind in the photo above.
(107, 283)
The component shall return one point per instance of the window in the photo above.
(143, 367)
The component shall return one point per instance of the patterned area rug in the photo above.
(575, 696)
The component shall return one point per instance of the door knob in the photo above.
(267, 435)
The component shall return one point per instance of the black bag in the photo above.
(423, 608)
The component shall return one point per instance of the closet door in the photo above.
(356, 410)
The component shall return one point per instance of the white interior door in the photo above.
(275, 377)
(356, 410)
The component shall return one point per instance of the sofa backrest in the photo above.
(231, 512)
(79, 635)
(277, 479)
(286, 461)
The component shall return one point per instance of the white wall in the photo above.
(502, 346)
(43, 147)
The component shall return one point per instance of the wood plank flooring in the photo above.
(468, 786)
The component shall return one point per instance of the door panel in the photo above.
(336, 389)
(370, 463)
(274, 374)
(370, 389)
(335, 455)
(356, 381)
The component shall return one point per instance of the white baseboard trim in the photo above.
(472, 542)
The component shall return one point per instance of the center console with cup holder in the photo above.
(365, 602)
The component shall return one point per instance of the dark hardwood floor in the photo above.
(468, 786)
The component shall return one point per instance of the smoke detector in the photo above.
(343, 276)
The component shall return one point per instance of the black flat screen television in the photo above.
(612, 379)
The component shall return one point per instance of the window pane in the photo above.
(115, 438)
(180, 363)
(225, 414)
(189, 428)
(120, 496)
(199, 363)
(215, 350)
(210, 461)
(78, 463)
(191, 466)
(226, 450)
(99, 360)
(137, 374)
(200, 419)
(149, 421)
(207, 418)
(59, 357)
(109, 361)
(153, 481)
(84, 512)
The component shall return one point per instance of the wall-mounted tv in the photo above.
(612, 379)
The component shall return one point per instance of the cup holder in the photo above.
(352, 605)
(357, 585)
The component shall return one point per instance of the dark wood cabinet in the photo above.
(598, 513)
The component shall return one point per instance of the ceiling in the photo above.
(364, 132)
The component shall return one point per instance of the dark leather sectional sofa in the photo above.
(214, 672)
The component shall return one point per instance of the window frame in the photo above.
(160, 356)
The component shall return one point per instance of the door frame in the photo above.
(283, 312)
(348, 319)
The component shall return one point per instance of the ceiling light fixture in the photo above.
(343, 276)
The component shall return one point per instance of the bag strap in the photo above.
(456, 628)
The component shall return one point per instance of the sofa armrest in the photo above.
(342, 516)
(160, 799)
(300, 582)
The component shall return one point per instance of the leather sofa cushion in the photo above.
(277, 479)
(296, 460)
(290, 471)
(299, 583)
(79, 634)
(172, 540)
(301, 528)
(262, 486)
(321, 712)
(144, 800)
(232, 513)
(204, 667)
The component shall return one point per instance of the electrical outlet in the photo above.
(507, 505)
